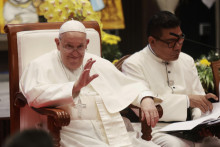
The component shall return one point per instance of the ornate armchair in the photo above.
(216, 75)
(26, 42)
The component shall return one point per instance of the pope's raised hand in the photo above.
(85, 78)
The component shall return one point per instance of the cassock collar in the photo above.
(150, 51)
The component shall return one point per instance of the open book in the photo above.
(190, 129)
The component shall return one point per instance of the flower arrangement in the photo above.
(63, 10)
(205, 71)
(110, 48)
(205, 74)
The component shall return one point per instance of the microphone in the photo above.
(199, 43)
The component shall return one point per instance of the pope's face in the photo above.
(72, 46)
(167, 47)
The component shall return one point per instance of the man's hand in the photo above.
(85, 78)
(149, 111)
(202, 102)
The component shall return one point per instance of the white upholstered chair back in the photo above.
(32, 44)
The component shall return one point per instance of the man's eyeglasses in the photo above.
(172, 44)
(69, 48)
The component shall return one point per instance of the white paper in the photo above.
(188, 125)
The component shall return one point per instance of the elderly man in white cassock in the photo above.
(170, 74)
(90, 89)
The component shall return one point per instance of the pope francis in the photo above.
(90, 89)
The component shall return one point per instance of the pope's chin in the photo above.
(73, 66)
(74, 63)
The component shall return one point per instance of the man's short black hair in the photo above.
(161, 20)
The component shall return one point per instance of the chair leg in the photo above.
(54, 130)
(146, 131)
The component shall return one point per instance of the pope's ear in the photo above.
(57, 41)
(87, 41)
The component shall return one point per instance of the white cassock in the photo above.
(172, 81)
(47, 82)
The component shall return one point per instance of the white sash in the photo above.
(114, 126)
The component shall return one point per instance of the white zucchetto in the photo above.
(72, 25)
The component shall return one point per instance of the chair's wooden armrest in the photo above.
(160, 110)
(125, 111)
(145, 129)
(56, 119)
(133, 106)
(61, 117)
(20, 100)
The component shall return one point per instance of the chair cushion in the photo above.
(32, 44)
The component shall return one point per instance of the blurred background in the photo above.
(123, 24)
